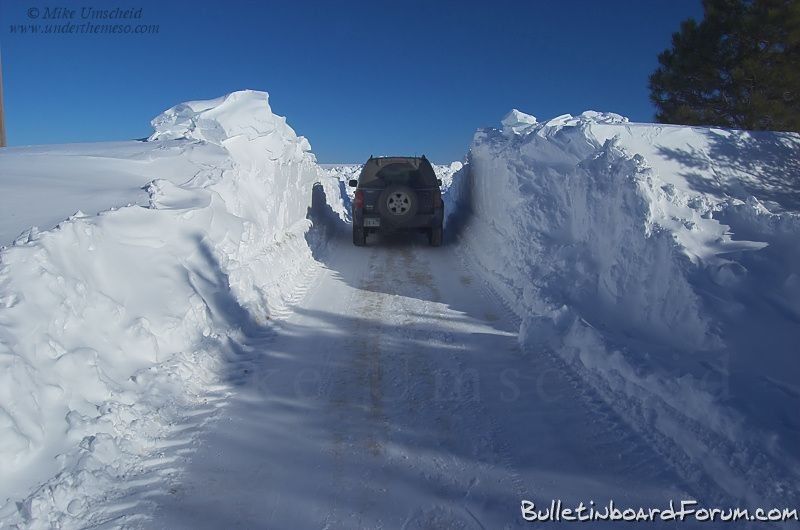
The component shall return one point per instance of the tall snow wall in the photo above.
(620, 267)
(108, 323)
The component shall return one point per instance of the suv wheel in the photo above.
(435, 236)
(359, 236)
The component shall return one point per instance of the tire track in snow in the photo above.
(362, 369)
(457, 420)
(401, 390)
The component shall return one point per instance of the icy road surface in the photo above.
(395, 396)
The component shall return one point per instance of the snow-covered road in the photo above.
(395, 395)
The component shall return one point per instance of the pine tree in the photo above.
(739, 67)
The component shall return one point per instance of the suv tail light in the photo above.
(359, 202)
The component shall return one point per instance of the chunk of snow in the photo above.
(517, 122)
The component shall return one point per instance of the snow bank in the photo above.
(43, 185)
(643, 274)
(572, 221)
(111, 325)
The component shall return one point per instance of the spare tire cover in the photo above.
(398, 205)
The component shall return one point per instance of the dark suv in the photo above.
(397, 193)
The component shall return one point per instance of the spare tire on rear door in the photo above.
(398, 205)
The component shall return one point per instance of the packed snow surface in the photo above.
(189, 339)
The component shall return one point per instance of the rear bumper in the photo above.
(421, 220)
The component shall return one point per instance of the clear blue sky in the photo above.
(356, 78)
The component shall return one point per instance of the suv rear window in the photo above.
(379, 173)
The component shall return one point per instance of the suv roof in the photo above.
(417, 168)
(380, 159)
